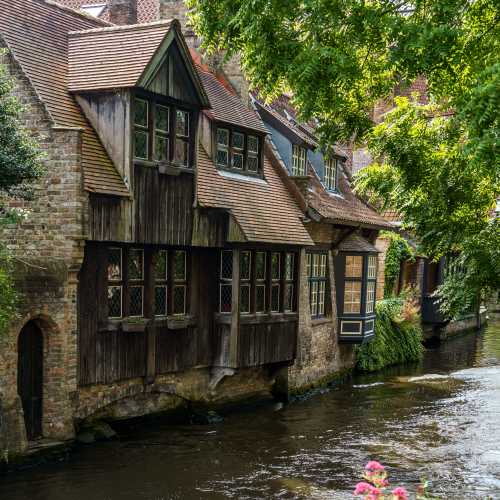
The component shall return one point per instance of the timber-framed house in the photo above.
(173, 251)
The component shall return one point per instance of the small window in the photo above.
(245, 283)
(141, 125)
(352, 297)
(331, 173)
(181, 155)
(289, 296)
(317, 273)
(226, 281)
(162, 120)
(115, 283)
(299, 155)
(275, 281)
(237, 150)
(161, 284)
(179, 287)
(353, 266)
(260, 282)
(372, 266)
(370, 297)
(136, 282)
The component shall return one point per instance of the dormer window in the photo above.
(299, 156)
(155, 121)
(331, 173)
(237, 150)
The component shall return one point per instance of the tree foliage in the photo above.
(436, 163)
(19, 166)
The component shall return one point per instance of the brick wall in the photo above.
(47, 252)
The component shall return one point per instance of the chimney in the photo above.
(122, 11)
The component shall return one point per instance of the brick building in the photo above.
(170, 254)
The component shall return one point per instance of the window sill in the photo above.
(257, 318)
(164, 168)
(175, 322)
(129, 325)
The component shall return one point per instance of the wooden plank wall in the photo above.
(161, 212)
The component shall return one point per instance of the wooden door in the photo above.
(30, 377)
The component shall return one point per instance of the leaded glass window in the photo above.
(237, 150)
(317, 271)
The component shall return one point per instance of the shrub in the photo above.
(398, 336)
(8, 296)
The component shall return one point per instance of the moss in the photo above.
(398, 337)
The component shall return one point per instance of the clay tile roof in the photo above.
(147, 10)
(263, 209)
(36, 33)
(226, 105)
(345, 208)
(356, 243)
(112, 57)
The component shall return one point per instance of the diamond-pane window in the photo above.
(179, 300)
(161, 265)
(182, 123)
(252, 163)
(136, 264)
(289, 267)
(179, 265)
(260, 298)
(114, 264)
(226, 267)
(161, 147)
(136, 305)
(114, 301)
(275, 297)
(141, 140)
(260, 265)
(289, 298)
(141, 115)
(275, 265)
(162, 118)
(245, 299)
(238, 161)
(245, 265)
(160, 300)
(223, 137)
(222, 157)
(226, 298)
(253, 144)
(238, 140)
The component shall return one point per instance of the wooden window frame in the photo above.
(267, 282)
(331, 173)
(171, 135)
(299, 160)
(371, 280)
(318, 283)
(354, 279)
(245, 151)
(149, 281)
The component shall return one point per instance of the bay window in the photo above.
(356, 282)
(237, 150)
(267, 282)
(162, 132)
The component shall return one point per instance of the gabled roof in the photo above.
(125, 56)
(344, 208)
(264, 210)
(36, 33)
(227, 106)
(356, 243)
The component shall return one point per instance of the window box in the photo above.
(134, 325)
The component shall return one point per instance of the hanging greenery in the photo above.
(8, 297)
(398, 336)
(398, 251)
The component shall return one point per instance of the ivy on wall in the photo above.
(8, 296)
(398, 251)
(398, 336)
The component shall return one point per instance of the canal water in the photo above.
(439, 419)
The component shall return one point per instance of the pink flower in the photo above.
(374, 465)
(362, 488)
(400, 493)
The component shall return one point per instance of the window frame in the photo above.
(149, 281)
(245, 151)
(318, 284)
(266, 283)
(171, 135)
(299, 160)
(331, 181)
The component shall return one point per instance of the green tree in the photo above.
(437, 164)
(19, 166)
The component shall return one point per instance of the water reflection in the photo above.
(440, 419)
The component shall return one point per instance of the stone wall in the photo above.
(47, 250)
(320, 358)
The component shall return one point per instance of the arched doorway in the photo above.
(30, 377)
